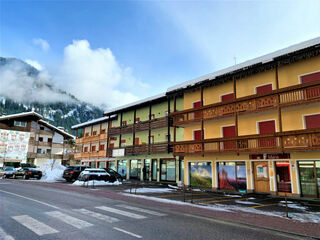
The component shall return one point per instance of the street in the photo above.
(30, 211)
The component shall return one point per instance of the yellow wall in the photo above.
(247, 86)
(247, 124)
(188, 131)
(292, 117)
(289, 74)
(213, 129)
(190, 97)
(212, 94)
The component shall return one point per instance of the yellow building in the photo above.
(254, 127)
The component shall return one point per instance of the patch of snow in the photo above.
(95, 183)
(171, 186)
(52, 171)
(251, 198)
(150, 190)
(247, 202)
(230, 195)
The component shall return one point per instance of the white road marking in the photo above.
(4, 235)
(120, 212)
(124, 231)
(97, 215)
(34, 225)
(77, 223)
(142, 210)
(34, 200)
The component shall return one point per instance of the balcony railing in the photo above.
(147, 149)
(140, 126)
(302, 140)
(290, 96)
(90, 155)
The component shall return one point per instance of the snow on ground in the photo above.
(302, 217)
(95, 183)
(247, 202)
(150, 190)
(52, 171)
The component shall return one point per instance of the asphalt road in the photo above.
(30, 211)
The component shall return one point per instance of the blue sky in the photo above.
(115, 52)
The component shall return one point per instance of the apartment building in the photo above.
(27, 138)
(139, 137)
(91, 143)
(254, 127)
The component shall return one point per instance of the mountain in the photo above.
(24, 88)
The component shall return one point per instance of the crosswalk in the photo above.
(101, 213)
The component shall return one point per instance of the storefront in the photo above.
(283, 177)
(232, 176)
(154, 170)
(200, 174)
(168, 169)
(135, 169)
(309, 178)
(111, 164)
(122, 167)
(147, 169)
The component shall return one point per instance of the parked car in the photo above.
(27, 173)
(72, 173)
(7, 172)
(96, 174)
(114, 173)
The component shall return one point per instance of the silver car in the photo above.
(7, 172)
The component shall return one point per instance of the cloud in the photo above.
(18, 83)
(34, 64)
(42, 43)
(95, 76)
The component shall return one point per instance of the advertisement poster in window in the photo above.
(262, 171)
(14, 144)
(200, 174)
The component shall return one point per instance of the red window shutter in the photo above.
(229, 131)
(197, 135)
(93, 148)
(312, 121)
(123, 141)
(101, 148)
(267, 127)
(196, 104)
(227, 97)
(137, 119)
(111, 145)
(264, 88)
(197, 114)
(310, 77)
(85, 149)
(136, 141)
(103, 131)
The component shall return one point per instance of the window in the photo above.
(166, 137)
(49, 140)
(263, 88)
(267, 127)
(229, 131)
(87, 134)
(41, 128)
(310, 77)
(123, 142)
(152, 139)
(93, 148)
(166, 113)
(124, 123)
(227, 97)
(153, 116)
(137, 120)
(197, 135)
(85, 149)
(111, 145)
(136, 141)
(48, 151)
(94, 133)
(312, 121)
(103, 131)
(20, 124)
(40, 139)
(197, 114)
(39, 150)
(101, 147)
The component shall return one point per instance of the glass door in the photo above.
(135, 169)
(308, 178)
(154, 169)
(163, 167)
(146, 170)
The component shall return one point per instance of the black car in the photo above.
(27, 173)
(72, 172)
(98, 174)
(114, 174)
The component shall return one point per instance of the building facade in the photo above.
(27, 138)
(254, 127)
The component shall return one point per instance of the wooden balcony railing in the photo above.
(140, 126)
(302, 140)
(147, 149)
(290, 96)
(90, 155)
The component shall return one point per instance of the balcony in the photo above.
(285, 97)
(140, 126)
(302, 140)
(147, 149)
(90, 155)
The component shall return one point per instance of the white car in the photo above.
(95, 174)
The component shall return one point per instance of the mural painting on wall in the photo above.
(201, 174)
(232, 176)
(14, 144)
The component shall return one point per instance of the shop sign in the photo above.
(118, 152)
(270, 156)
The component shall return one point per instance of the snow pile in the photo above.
(150, 190)
(52, 171)
(95, 183)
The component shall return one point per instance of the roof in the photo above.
(19, 115)
(140, 102)
(260, 60)
(91, 122)
(57, 129)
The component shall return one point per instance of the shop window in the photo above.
(196, 115)
(200, 174)
(197, 135)
(227, 97)
(101, 147)
(267, 127)
(310, 77)
(93, 148)
(85, 149)
(232, 175)
(312, 121)
(264, 89)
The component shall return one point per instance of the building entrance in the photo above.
(261, 177)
